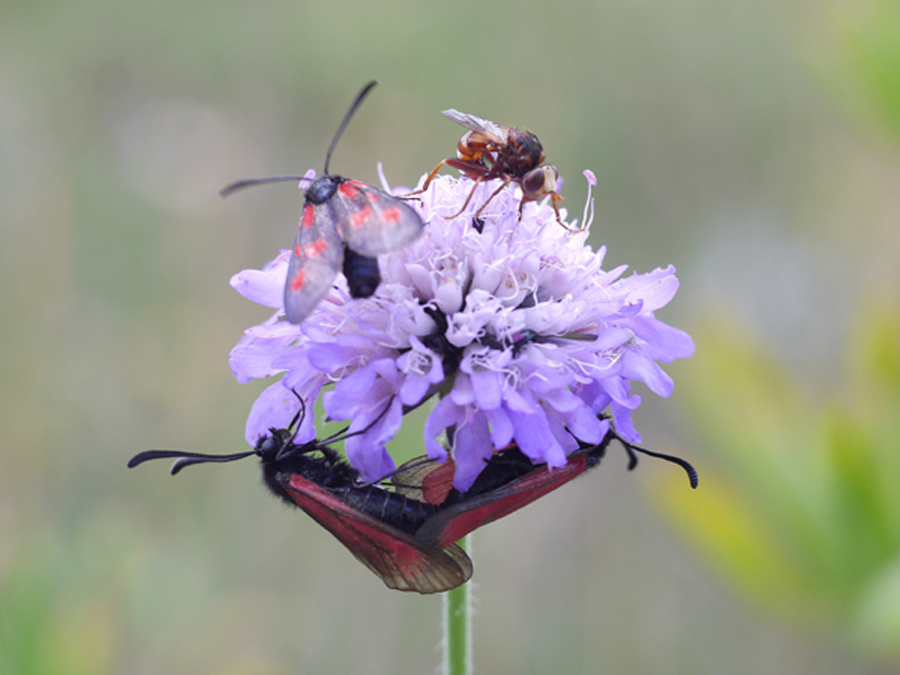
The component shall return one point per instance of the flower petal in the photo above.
(472, 449)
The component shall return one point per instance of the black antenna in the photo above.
(631, 449)
(340, 132)
(247, 182)
(184, 458)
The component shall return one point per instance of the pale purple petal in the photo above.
(266, 286)
(501, 427)
(251, 358)
(635, 366)
(584, 424)
(624, 426)
(471, 449)
(445, 414)
(366, 450)
(536, 440)
(488, 388)
(274, 409)
(463, 393)
(662, 342)
(412, 390)
(565, 439)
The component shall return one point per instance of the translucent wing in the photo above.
(371, 221)
(402, 561)
(425, 480)
(315, 261)
(496, 132)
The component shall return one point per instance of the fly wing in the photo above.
(456, 521)
(496, 132)
(402, 561)
(371, 221)
(315, 261)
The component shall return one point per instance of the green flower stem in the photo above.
(458, 625)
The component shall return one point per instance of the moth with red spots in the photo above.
(344, 225)
(490, 150)
(375, 524)
(508, 482)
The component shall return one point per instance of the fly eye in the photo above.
(533, 181)
(540, 182)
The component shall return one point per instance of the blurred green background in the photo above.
(752, 144)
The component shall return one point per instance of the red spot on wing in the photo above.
(297, 280)
(360, 217)
(357, 183)
(308, 216)
(391, 215)
(316, 248)
(348, 190)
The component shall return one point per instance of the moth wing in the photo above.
(371, 221)
(495, 132)
(315, 260)
(425, 480)
(403, 562)
(456, 521)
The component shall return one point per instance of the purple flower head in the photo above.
(514, 323)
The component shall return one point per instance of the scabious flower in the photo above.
(513, 323)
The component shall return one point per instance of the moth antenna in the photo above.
(359, 99)
(632, 457)
(198, 458)
(301, 414)
(184, 459)
(689, 469)
(249, 182)
(343, 435)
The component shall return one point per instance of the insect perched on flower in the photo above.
(375, 524)
(490, 150)
(508, 482)
(340, 212)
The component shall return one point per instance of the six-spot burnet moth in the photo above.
(375, 524)
(344, 225)
(490, 150)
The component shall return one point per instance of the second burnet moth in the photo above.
(377, 525)
(345, 224)
(508, 482)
